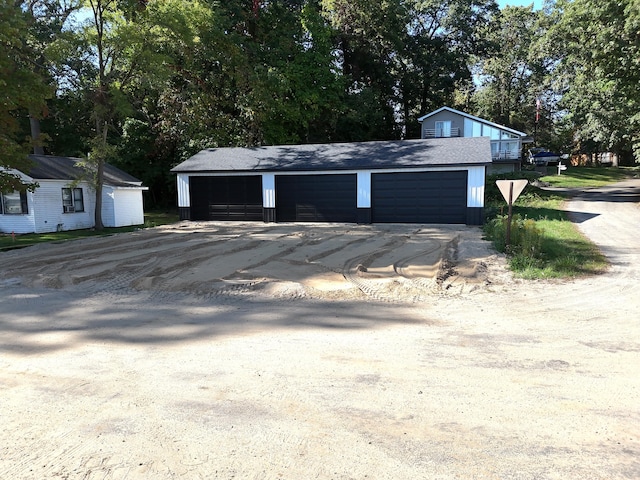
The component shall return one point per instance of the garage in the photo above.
(316, 198)
(419, 197)
(438, 180)
(226, 197)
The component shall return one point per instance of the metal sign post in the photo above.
(511, 190)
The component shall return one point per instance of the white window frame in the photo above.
(72, 200)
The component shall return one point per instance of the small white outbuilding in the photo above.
(62, 202)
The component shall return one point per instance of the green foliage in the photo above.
(22, 92)
(168, 78)
(578, 177)
(526, 237)
(598, 47)
(544, 243)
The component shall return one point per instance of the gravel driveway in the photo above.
(146, 365)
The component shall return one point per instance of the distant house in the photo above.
(407, 181)
(63, 203)
(506, 143)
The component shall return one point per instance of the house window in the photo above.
(72, 200)
(495, 150)
(14, 203)
(443, 129)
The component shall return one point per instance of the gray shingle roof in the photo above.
(49, 167)
(342, 156)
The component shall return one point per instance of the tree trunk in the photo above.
(35, 135)
(99, 180)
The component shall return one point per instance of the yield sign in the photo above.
(511, 188)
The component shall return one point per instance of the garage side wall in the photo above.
(475, 195)
(184, 203)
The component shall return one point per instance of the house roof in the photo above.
(472, 117)
(342, 156)
(49, 167)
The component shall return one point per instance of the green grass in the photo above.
(563, 253)
(578, 177)
(151, 219)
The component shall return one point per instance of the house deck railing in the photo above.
(433, 133)
(505, 156)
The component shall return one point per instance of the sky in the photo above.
(537, 4)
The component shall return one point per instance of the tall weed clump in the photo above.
(525, 250)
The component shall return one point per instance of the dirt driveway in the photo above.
(266, 352)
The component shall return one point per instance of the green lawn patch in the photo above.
(545, 244)
(151, 219)
(577, 177)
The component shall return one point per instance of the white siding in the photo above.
(364, 189)
(48, 212)
(183, 190)
(475, 186)
(108, 207)
(269, 190)
(122, 207)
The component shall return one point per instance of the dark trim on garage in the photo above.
(475, 215)
(268, 215)
(185, 213)
(363, 215)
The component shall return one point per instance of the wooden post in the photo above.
(508, 243)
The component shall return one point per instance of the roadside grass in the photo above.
(151, 219)
(545, 243)
(576, 177)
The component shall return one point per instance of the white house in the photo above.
(506, 143)
(61, 202)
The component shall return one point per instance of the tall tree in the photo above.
(97, 62)
(22, 92)
(599, 47)
(409, 54)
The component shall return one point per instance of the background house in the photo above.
(411, 181)
(506, 143)
(63, 203)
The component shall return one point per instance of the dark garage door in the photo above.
(422, 197)
(316, 198)
(226, 198)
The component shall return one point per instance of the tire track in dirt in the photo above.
(234, 262)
